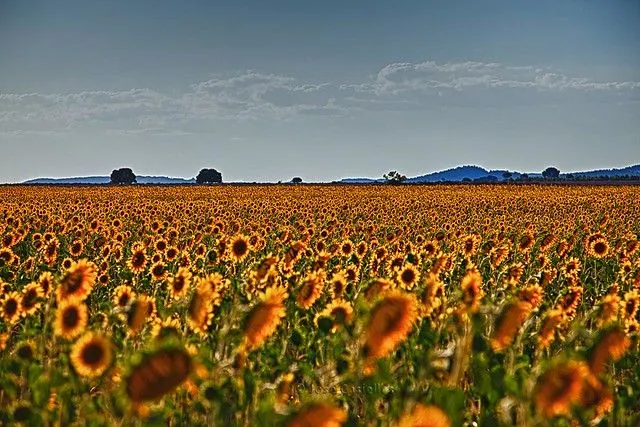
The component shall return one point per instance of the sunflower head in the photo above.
(91, 355)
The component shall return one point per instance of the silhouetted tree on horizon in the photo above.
(297, 180)
(123, 176)
(551, 172)
(209, 176)
(394, 177)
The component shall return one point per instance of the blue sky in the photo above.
(321, 90)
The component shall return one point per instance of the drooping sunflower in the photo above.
(472, 291)
(552, 321)
(30, 302)
(263, 320)
(11, 307)
(319, 415)
(425, 416)
(560, 388)
(71, 319)
(391, 321)
(157, 374)
(179, 283)
(200, 312)
(78, 281)
(138, 312)
(508, 324)
(377, 287)
(612, 344)
(91, 355)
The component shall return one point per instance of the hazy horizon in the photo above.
(324, 91)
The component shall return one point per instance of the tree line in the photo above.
(126, 176)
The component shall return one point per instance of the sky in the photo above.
(269, 90)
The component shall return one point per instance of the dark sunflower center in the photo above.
(11, 307)
(240, 247)
(408, 276)
(92, 354)
(70, 317)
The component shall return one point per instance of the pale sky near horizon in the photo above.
(264, 91)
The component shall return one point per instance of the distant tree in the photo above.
(123, 176)
(507, 175)
(209, 176)
(571, 176)
(550, 172)
(296, 180)
(394, 177)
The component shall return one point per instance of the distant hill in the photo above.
(479, 174)
(629, 170)
(105, 180)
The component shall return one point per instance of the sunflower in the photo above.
(572, 267)
(200, 312)
(138, 312)
(45, 281)
(25, 351)
(78, 281)
(213, 284)
(508, 324)
(611, 346)
(158, 271)
(408, 276)
(425, 416)
(179, 283)
(71, 319)
(311, 289)
(30, 302)
(391, 321)
(319, 415)
(346, 248)
(158, 374)
(138, 261)
(165, 328)
(552, 321)
(91, 355)
(76, 248)
(123, 295)
(10, 307)
(631, 304)
(560, 388)
(472, 290)
(598, 248)
(338, 311)
(239, 248)
(608, 309)
(263, 320)
(338, 285)
(378, 286)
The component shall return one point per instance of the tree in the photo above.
(209, 176)
(507, 175)
(550, 172)
(296, 180)
(394, 177)
(123, 176)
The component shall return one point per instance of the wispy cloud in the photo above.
(254, 95)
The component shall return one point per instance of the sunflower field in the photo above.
(320, 305)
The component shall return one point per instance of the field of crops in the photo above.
(320, 305)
